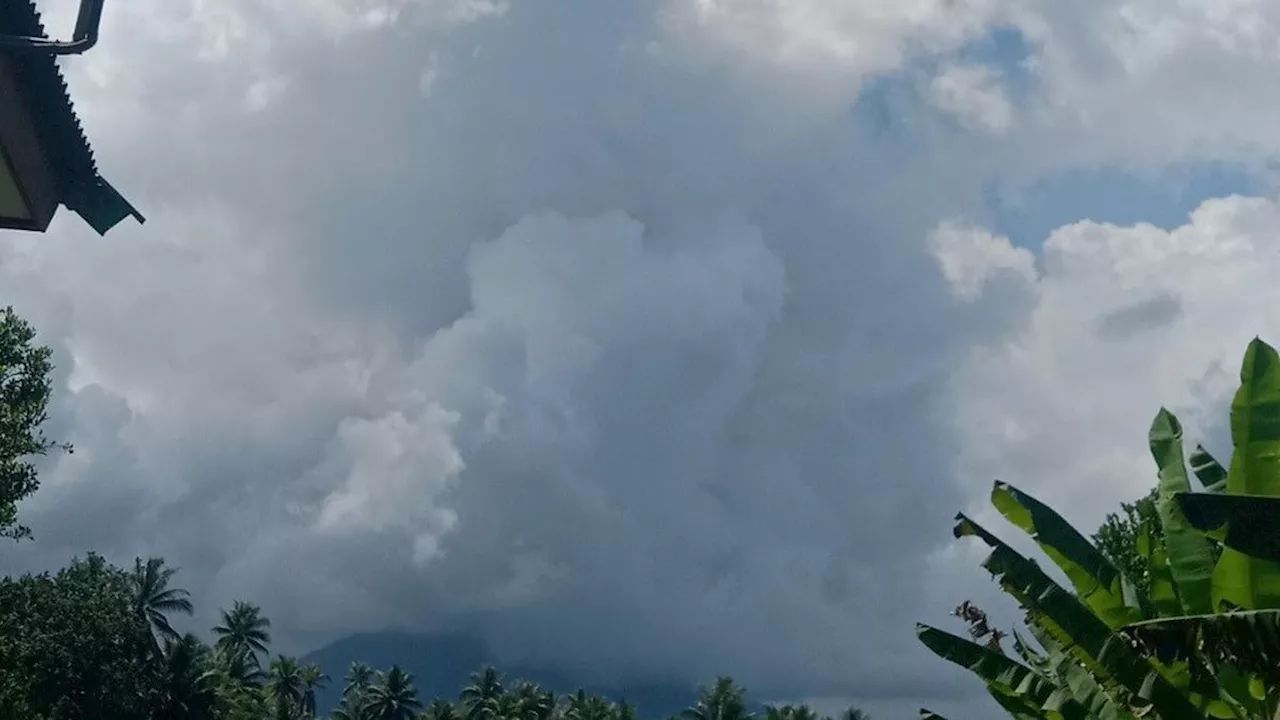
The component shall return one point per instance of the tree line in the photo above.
(94, 641)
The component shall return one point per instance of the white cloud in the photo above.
(1129, 83)
(1124, 320)
(817, 55)
(860, 37)
(1148, 83)
(430, 74)
(972, 257)
(396, 469)
(974, 95)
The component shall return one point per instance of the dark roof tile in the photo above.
(81, 188)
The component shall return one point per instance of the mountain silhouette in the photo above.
(442, 664)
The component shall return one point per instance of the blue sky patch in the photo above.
(1110, 195)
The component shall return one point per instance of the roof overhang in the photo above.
(45, 159)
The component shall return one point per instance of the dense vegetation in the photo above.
(24, 397)
(1174, 608)
(94, 641)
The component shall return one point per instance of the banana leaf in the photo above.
(1031, 691)
(1030, 657)
(1163, 594)
(1249, 524)
(1019, 708)
(1096, 580)
(1191, 556)
(1106, 654)
(1248, 641)
(1204, 695)
(1240, 580)
(1068, 674)
(1208, 471)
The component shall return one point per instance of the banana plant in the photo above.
(1202, 637)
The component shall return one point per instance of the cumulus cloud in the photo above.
(639, 351)
(1146, 84)
(1123, 321)
(859, 37)
(556, 352)
(971, 258)
(974, 95)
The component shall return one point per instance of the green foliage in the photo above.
(1120, 536)
(723, 700)
(188, 686)
(313, 680)
(24, 398)
(1195, 630)
(285, 687)
(480, 696)
(394, 698)
(154, 599)
(73, 648)
(1096, 580)
(1190, 555)
(1245, 523)
(244, 633)
(94, 641)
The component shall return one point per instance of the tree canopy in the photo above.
(25, 388)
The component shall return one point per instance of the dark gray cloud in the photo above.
(1139, 316)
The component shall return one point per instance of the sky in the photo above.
(648, 340)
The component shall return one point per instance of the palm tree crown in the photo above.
(441, 710)
(285, 685)
(190, 687)
(359, 677)
(394, 698)
(154, 599)
(480, 696)
(243, 630)
(313, 680)
(722, 701)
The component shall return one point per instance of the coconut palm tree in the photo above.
(853, 713)
(480, 696)
(284, 683)
(345, 712)
(778, 712)
(624, 710)
(441, 710)
(189, 682)
(509, 707)
(359, 677)
(244, 630)
(535, 703)
(722, 701)
(313, 680)
(581, 706)
(153, 599)
(238, 682)
(394, 698)
(238, 667)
